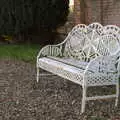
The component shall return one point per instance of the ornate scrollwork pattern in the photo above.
(86, 41)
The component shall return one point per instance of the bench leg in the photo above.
(117, 94)
(37, 74)
(83, 100)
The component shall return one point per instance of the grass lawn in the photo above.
(27, 52)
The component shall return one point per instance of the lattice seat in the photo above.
(89, 56)
(66, 71)
(71, 62)
(69, 68)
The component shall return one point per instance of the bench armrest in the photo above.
(51, 50)
(118, 67)
(102, 64)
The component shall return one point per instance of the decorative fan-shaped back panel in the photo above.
(111, 29)
(109, 44)
(94, 30)
(76, 41)
(87, 42)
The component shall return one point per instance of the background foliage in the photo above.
(19, 16)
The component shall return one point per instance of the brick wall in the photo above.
(111, 12)
(94, 11)
(88, 11)
(77, 10)
(103, 11)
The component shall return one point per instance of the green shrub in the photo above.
(19, 16)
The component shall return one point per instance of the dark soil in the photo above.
(53, 98)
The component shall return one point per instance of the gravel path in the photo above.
(53, 98)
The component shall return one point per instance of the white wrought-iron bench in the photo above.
(89, 56)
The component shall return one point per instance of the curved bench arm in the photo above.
(101, 62)
(95, 63)
(52, 50)
(49, 50)
(104, 65)
(118, 67)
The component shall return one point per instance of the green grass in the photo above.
(25, 52)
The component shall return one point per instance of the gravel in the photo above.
(53, 98)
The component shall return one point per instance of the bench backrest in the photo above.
(87, 42)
